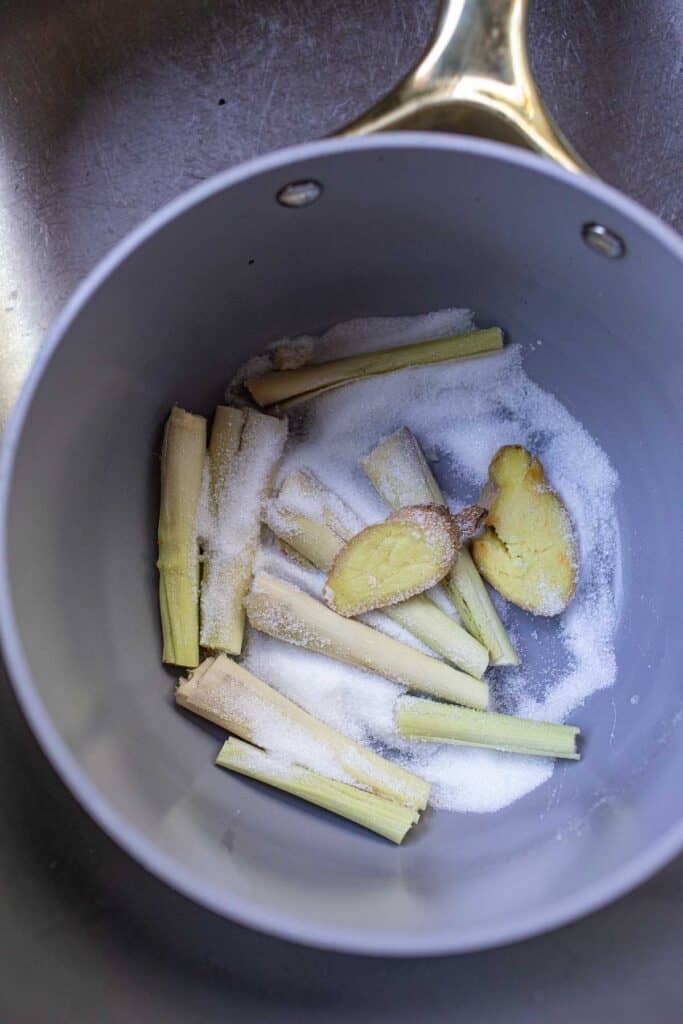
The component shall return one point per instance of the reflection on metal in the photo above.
(604, 241)
(299, 193)
(475, 79)
(19, 340)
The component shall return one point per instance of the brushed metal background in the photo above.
(108, 108)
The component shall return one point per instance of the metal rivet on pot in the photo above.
(299, 193)
(602, 240)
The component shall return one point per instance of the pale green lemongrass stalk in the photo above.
(443, 723)
(217, 573)
(285, 387)
(425, 620)
(287, 613)
(401, 474)
(388, 819)
(314, 541)
(227, 694)
(302, 491)
(226, 434)
(309, 536)
(241, 478)
(182, 465)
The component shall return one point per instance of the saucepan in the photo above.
(385, 218)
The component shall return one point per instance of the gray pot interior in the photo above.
(403, 226)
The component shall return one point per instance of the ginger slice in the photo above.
(392, 561)
(399, 470)
(528, 549)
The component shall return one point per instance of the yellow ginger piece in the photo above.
(527, 550)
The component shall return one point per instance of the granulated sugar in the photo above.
(230, 536)
(461, 413)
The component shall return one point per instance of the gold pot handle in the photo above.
(474, 78)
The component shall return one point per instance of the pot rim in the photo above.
(114, 823)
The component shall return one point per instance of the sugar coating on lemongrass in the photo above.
(291, 353)
(385, 817)
(289, 386)
(444, 723)
(227, 694)
(307, 533)
(287, 613)
(462, 411)
(401, 474)
(182, 466)
(302, 492)
(241, 476)
(399, 471)
(440, 632)
(313, 541)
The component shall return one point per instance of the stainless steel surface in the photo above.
(107, 111)
(602, 240)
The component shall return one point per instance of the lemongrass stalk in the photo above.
(386, 818)
(226, 434)
(314, 541)
(319, 544)
(302, 492)
(443, 723)
(425, 620)
(298, 385)
(243, 480)
(287, 613)
(401, 474)
(473, 603)
(182, 466)
(227, 694)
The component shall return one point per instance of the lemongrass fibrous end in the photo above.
(182, 468)
(443, 723)
(385, 817)
(283, 387)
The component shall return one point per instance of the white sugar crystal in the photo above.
(308, 498)
(461, 412)
(230, 538)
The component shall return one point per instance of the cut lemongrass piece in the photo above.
(386, 818)
(425, 620)
(227, 694)
(304, 493)
(182, 466)
(226, 434)
(242, 480)
(398, 469)
(287, 613)
(313, 540)
(217, 571)
(288, 386)
(306, 532)
(443, 723)
(473, 604)
(400, 473)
